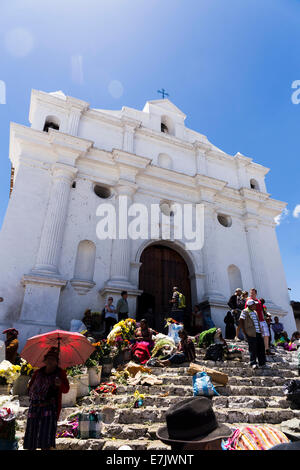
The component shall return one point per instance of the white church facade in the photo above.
(73, 159)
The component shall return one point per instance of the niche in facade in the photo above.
(84, 267)
(167, 125)
(254, 184)
(51, 122)
(234, 277)
(164, 161)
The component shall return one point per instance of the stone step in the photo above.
(230, 370)
(246, 401)
(101, 444)
(243, 415)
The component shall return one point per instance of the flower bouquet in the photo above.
(120, 338)
(171, 321)
(8, 374)
(138, 399)
(121, 332)
(20, 386)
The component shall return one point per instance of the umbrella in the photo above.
(73, 348)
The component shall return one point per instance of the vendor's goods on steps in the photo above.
(216, 376)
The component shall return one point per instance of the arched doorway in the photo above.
(161, 269)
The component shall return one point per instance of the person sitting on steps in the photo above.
(185, 351)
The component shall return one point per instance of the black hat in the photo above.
(52, 352)
(192, 420)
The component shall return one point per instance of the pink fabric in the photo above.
(141, 351)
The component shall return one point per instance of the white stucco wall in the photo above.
(120, 149)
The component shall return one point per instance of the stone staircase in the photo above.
(251, 396)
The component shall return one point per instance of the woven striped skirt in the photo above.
(41, 426)
(254, 437)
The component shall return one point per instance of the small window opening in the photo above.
(164, 128)
(102, 191)
(224, 220)
(50, 125)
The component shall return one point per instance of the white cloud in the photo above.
(116, 89)
(296, 211)
(77, 68)
(19, 42)
(279, 218)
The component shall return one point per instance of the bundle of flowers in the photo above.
(26, 368)
(138, 399)
(102, 349)
(8, 372)
(75, 370)
(122, 333)
(170, 321)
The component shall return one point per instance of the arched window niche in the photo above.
(84, 267)
(167, 125)
(165, 161)
(254, 184)
(234, 278)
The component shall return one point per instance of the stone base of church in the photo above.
(40, 305)
(28, 329)
(217, 307)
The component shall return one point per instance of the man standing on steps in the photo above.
(249, 324)
(263, 325)
(178, 305)
(122, 306)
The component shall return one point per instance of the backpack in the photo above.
(181, 303)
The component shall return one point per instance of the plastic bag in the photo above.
(77, 326)
(202, 385)
(173, 332)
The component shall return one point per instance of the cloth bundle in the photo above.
(292, 391)
(233, 352)
(214, 352)
(163, 346)
(202, 385)
(144, 379)
(89, 425)
(254, 437)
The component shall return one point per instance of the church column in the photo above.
(74, 118)
(121, 247)
(210, 258)
(200, 152)
(120, 278)
(259, 274)
(128, 136)
(53, 230)
(44, 283)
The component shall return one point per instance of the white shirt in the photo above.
(111, 314)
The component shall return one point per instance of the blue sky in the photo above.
(229, 65)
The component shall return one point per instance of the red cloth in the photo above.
(64, 388)
(259, 308)
(141, 351)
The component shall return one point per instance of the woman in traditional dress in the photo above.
(45, 393)
(11, 346)
(141, 349)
